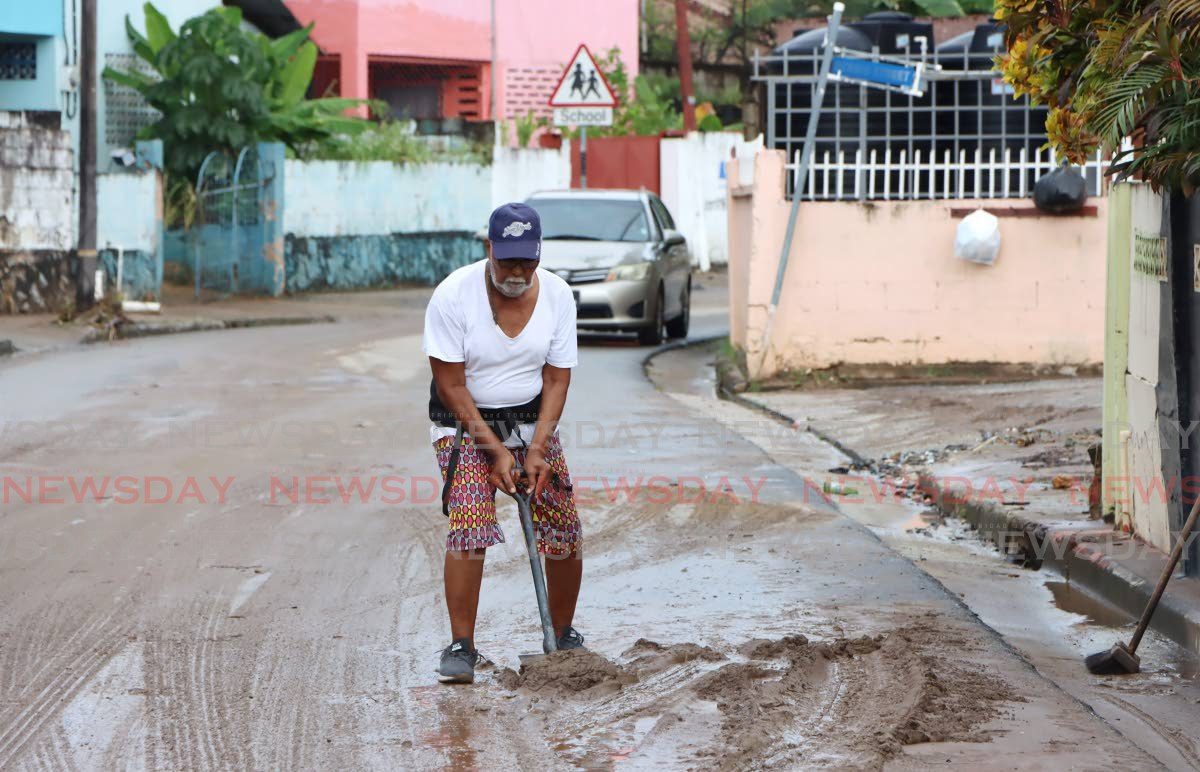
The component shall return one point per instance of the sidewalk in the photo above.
(1011, 460)
(181, 312)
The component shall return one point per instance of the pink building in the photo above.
(432, 59)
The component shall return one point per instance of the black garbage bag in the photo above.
(1062, 191)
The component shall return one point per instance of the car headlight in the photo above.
(630, 272)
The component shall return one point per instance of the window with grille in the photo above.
(18, 61)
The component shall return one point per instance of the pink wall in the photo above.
(534, 38)
(878, 282)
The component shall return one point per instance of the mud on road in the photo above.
(260, 634)
(768, 703)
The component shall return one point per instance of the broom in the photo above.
(1122, 659)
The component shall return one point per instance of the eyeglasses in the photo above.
(528, 266)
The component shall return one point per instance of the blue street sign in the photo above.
(900, 77)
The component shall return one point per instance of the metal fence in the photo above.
(967, 136)
(231, 235)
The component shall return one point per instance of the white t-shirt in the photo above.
(501, 371)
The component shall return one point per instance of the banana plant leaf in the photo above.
(158, 29)
(293, 80)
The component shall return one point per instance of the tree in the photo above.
(751, 24)
(1111, 71)
(218, 86)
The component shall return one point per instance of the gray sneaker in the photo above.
(458, 663)
(570, 639)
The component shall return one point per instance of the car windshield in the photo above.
(592, 219)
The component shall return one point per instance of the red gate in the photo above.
(618, 162)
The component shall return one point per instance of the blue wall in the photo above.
(40, 93)
(40, 22)
(383, 260)
(31, 17)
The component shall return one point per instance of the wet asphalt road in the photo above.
(228, 593)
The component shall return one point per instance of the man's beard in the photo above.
(509, 288)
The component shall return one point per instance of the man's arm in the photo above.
(450, 380)
(555, 382)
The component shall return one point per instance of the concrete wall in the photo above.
(518, 172)
(40, 23)
(129, 227)
(535, 40)
(341, 198)
(878, 282)
(351, 225)
(37, 215)
(36, 183)
(1116, 348)
(693, 179)
(1143, 446)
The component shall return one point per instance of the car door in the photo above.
(677, 257)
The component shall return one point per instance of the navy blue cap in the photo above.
(515, 231)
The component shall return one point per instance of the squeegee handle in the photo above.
(549, 643)
(1176, 552)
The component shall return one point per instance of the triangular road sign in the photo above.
(583, 84)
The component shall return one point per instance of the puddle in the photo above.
(1074, 600)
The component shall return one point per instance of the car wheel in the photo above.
(678, 327)
(655, 332)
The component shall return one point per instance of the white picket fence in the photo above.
(898, 176)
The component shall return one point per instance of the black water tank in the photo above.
(988, 116)
(893, 32)
(793, 101)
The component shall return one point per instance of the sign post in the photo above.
(844, 66)
(583, 98)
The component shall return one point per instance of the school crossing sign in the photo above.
(583, 96)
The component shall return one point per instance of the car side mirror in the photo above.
(672, 237)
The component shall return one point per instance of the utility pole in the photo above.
(492, 83)
(683, 43)
(86, 247)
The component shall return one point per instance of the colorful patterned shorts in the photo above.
(473, 502)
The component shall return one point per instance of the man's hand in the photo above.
(501, 474)
(538, 472)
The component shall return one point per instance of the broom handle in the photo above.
(1176, 552)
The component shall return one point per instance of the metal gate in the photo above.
(231, 246)
(618, 162)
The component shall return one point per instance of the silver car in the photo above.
(619, 250)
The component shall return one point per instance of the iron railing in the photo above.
(966, 136)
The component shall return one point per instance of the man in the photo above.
(501, 340)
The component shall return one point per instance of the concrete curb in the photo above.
(678, 344)
(1067, 550)
(787, 420)
(1072, 553)
(146, 330)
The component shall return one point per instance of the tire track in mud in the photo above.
(65, 670)
(190, 678)
(1183, 745)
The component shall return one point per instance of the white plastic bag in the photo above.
(978, 238)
